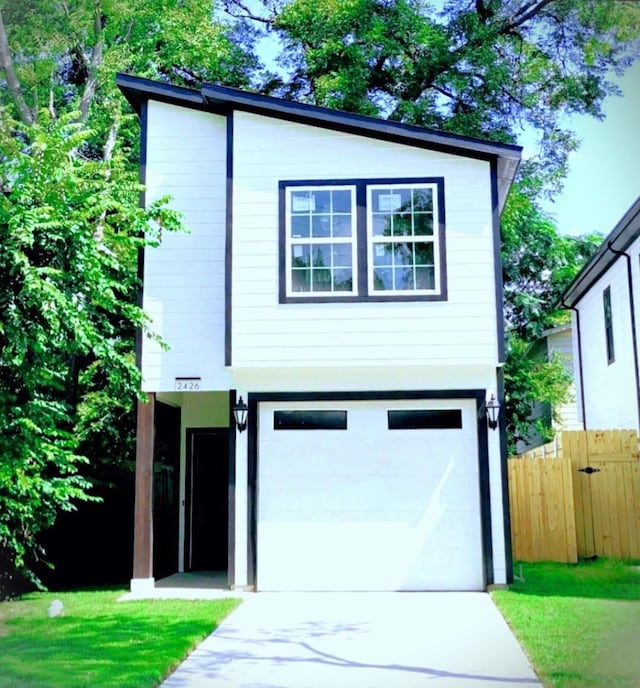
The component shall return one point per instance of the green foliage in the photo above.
(538, 264)
(66, 297)
(531, 380)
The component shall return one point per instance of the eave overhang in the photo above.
(619, 239)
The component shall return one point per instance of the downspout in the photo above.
(634, 338)
(582, 406)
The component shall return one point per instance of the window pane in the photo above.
(322, 201)
(382, 254)
(321, 225)
(401, 225)
(342, 225)
(321, 280)
(424, 253)
(425, 278)
(341, 201)
(405, 199)
(431, 419)
(422, 199)
(342, 255)
(321, 255)
(403, 254)
(381, 225)
(301, 202)
(382, 279)
(404, 279)
(301, 280)
(342, 280)
(300, 256)
(423, 223)
(300, 225)
(310, 420)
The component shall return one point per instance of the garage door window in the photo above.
(425, 419)
(310, 420)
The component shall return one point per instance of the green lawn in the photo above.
(98, 642)
(579, 624)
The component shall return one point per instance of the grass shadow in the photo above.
(597, 578)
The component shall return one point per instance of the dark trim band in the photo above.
(228, 247)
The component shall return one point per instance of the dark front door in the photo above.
(207, 500)
(166, 482)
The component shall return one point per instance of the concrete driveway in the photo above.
(359, 640)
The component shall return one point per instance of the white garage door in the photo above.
(368, 507)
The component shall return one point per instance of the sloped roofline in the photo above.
(619, 239)
(223, 99)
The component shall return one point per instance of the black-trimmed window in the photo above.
(424, 419)
(353, 240)
(310, 420)
(608, 324)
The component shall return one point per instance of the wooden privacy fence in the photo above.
(577, 497)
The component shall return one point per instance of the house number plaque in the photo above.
(188, 384)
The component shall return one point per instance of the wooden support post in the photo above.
(143, 511)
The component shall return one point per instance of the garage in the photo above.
(373, 494)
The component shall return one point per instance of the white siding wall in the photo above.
(609, 389)
(184, 277)
(266, 333)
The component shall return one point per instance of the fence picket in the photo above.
(559, 513)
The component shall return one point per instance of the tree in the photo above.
(538, 265)
(485, 68)
(70, 232)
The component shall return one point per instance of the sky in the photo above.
(604, 175)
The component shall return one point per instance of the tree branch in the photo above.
(528, 10)
(246, 12)
(6, 63)
(107, 154)
(96, 59)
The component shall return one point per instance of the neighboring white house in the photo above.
(556, 341)
(604, 300)
(342, 275)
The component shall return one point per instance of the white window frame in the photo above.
(290, 241)
(433, 238)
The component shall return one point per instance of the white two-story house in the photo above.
(341, 276)
(605, 302)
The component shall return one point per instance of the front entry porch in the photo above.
(184, 494)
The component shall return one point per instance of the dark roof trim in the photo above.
(222, 99)
(138, 91)
(621, 237)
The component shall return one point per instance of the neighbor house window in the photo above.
(352, 240)
(608, 324)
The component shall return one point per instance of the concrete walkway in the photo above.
(359, 640)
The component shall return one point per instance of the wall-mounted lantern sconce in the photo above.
(493, 412)
(240, 411)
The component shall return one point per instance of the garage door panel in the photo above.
(369, 508)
